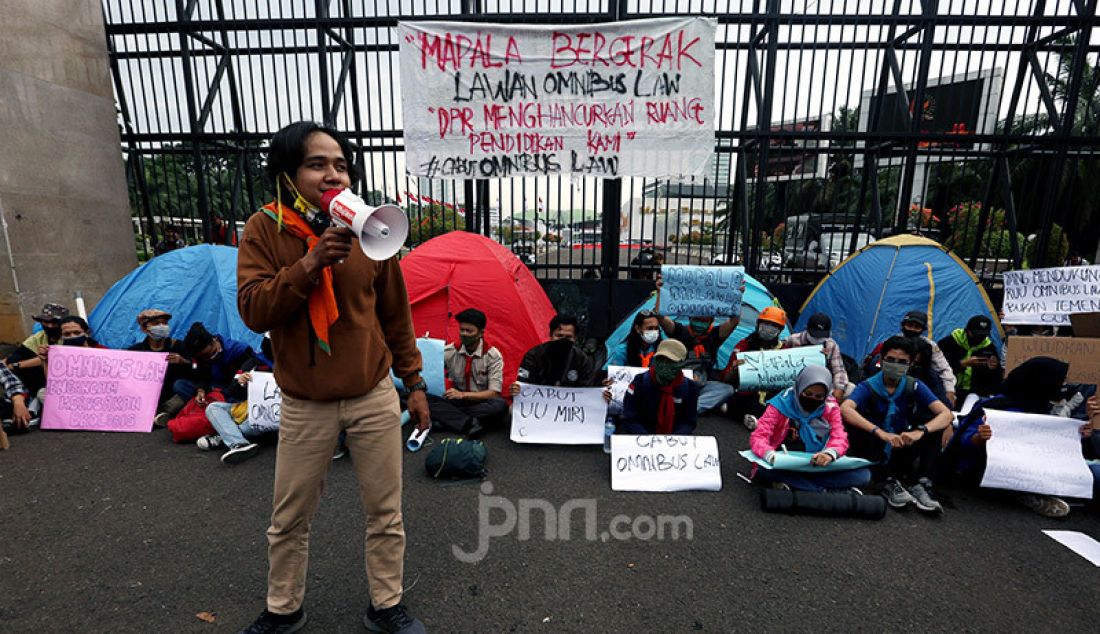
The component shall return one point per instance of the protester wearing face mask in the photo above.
(216, 361)
(475, 378)
(26, 360)
(974, 359)
(640, 345)
(894, 419)
(154, 323)
(558, 361)
(819, 330)
(661, 400)
(747, 406)
(1030, 388)
(928, 364)
(702, 339)
(806, 418)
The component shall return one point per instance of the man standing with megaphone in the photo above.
(339, 319)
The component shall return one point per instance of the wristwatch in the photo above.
(418, 386)
(923, 428)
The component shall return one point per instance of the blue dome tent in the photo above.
(867, 294)
(756, 298)
(193, 284)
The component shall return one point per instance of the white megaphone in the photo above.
(381, 230)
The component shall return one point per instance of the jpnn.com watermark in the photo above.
(557, 523)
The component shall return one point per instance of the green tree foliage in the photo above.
(1057, 249)
(428, 222)
(964, 220)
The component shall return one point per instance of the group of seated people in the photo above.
(208, 371)
(900, 418)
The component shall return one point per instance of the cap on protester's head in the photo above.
(979, 326)
(52, 312)
(149, 314)
(198, 337)
(773, 314)
(673, 350)
(916, 317)
(820, 325)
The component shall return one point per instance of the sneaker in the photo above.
(395, 620)
(896, 495)
(210, 441)
(922, 497)
(161, 420)
(269, 623)
(1045, 505)
(750, 422)
(240, 453)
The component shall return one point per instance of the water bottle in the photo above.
(608, 432)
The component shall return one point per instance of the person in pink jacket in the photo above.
(805, 418)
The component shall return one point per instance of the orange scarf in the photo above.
(322, 300)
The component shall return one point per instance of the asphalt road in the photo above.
(129, 533)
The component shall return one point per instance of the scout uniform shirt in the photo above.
(474, 372)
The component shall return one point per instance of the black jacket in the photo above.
(555, 363)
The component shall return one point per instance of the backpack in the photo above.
(455, 458)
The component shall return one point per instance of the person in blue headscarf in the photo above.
(895, 419)
(806, 418)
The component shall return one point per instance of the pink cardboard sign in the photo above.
(95, 389)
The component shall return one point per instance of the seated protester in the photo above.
(819, 332)
(661, 400)
(895, 419)
(640, 345)
(216, 361)
(973, 358)
(476, 369)
(928, 364)
(702, 341)
(154, 323)
(558, 361)
(749, 405)
(1028, 388)
(230, 419)
(806, 418)
(25, 360)
(13, 404)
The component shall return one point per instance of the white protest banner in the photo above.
(95, 389)
(265, 401)
(558, 415)
(633, 98)
(1036, 454)
(665, 463)
(701, 291)
(768, 370)
(1050, 296)
(621, 376)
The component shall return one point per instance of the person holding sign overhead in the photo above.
(702, 341)
(895, 419)
(769, 324)
(475, 372)
(661, 400)
(339, 321)
(819, 332)
(1029, 388)
(640, 345)
(806, 418)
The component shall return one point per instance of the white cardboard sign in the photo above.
(558, 415)
(665, 463)
(1036, 454)
(265, 400)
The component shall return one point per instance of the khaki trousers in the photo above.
(308, 432)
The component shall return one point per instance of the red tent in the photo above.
(460, 270)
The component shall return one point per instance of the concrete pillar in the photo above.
(64, 213)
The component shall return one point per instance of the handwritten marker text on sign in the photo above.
(665, 463)
(701, 291)
(776, 369)
(558, 415)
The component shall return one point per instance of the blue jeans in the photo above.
(232, 434)
(824, 481)
(713, 394)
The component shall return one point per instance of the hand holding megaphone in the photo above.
(381, 230)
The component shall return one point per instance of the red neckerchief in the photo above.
(666, 406)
